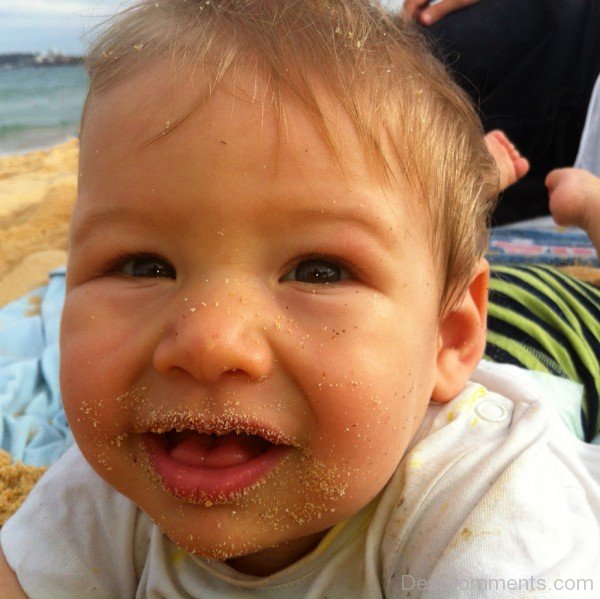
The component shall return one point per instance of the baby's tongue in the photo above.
(212, 451)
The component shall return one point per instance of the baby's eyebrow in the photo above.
(85, 223)
(376, 225)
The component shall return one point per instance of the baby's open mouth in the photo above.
(213, 467)
(214, 451)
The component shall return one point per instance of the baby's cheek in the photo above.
(90, 399)
(98, 416)
(95, 372)
(363, 418)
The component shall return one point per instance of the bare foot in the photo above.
(511, 165)
(575, 200)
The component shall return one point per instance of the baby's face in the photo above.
(250, 332)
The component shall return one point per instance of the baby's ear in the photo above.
(462, 337)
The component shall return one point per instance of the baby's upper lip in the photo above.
(223, 424)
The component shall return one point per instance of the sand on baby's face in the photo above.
(37, 193)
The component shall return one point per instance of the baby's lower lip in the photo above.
(202, 468)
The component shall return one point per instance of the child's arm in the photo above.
(9, 584)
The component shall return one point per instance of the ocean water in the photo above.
(39, 106)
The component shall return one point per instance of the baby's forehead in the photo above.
(326, 171)
(175, 89)
(163, 102)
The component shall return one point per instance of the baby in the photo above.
(275, 310)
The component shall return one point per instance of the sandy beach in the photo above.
(37, 192)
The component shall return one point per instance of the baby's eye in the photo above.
(148, 266)
(317, 271)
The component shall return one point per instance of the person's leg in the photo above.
(530, 66)
(575, 200)
(511, 165)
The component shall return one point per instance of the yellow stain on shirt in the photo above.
(415, 461)
(468, 401)
(471, 399)
(178, 557)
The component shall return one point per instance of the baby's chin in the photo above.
(227, 550)
(253, 556)
(244, 537)
(255, 524)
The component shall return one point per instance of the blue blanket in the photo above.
(541, 242)
(34, 428)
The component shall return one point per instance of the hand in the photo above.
(427, 14)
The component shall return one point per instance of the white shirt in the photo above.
(588, 156)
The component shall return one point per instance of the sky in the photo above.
(42, 25)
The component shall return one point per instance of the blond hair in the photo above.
(376, 65)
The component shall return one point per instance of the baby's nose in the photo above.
(213, 337)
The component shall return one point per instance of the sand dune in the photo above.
(37, 192)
